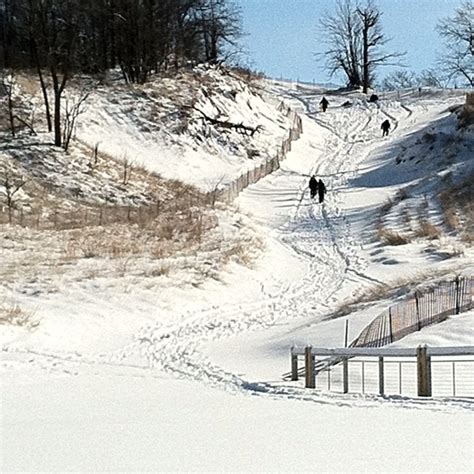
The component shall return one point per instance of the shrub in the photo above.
(390, 237)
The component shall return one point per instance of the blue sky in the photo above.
(283, 37)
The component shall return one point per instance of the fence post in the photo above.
(294, 365)
(418, 322)
(309, 368)
(457, 294)
(390, 323)
(345, 375)
(381, 377)
(423, 371)
(346, 332)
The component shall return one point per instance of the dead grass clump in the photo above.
(451, 218)
(387, 207)
(243, 251)
(239, 252)
(401, 195)
(428, 137)
(406, 216)
(161, 270)
(428, 230)
(465, 118)
(390, 237)
(15, 315)
(457, 205)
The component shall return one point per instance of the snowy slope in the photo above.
(158, 374)
(161, 126)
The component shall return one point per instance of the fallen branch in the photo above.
(239, 127)
(32, 130)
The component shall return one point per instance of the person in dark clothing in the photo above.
(385, 127)
(374, 98)
(324, 104)
(313, 186)
(321, 191)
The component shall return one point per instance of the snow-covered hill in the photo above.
(141, 368)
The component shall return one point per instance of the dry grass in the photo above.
(397, 288)
(15, 315)
(427, 230)
(428, 137)
(390, 237)
(465, 118)
(457, 202)
(406, 216)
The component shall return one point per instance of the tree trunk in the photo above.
(44, 90)
(365, 60)
(57, 110)
(10, 105)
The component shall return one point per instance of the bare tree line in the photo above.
(61, 38)
(356, 47)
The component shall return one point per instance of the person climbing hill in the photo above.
(324, 104)
(385, 127)
(313, 186)
(321, 191)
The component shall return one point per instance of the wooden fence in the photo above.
(232, 190)
(422, 371)
(422, 309)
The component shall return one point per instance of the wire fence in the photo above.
(232, 190)
(61, 219)
(423, 308)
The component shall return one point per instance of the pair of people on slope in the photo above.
(317, 187)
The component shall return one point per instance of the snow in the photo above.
(132, 371)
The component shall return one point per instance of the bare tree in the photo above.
(431, 78)
(11, 185)
(7, 84)
(73, 107)
(214, 189)
(341, 33)
(458, 34)
(355, 42)
(220, 26)
(373, 40)
(399, 79)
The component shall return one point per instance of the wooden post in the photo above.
(457, 294)
(454, 378)
(390, 323)
(381, 377)
(294, 366)
(346, 332)
(310, 381)
(423, 371)
(345, 375)
(417, 302)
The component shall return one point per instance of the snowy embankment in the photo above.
(173, 377)
(163, 127)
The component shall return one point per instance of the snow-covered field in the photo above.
(124, 376)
